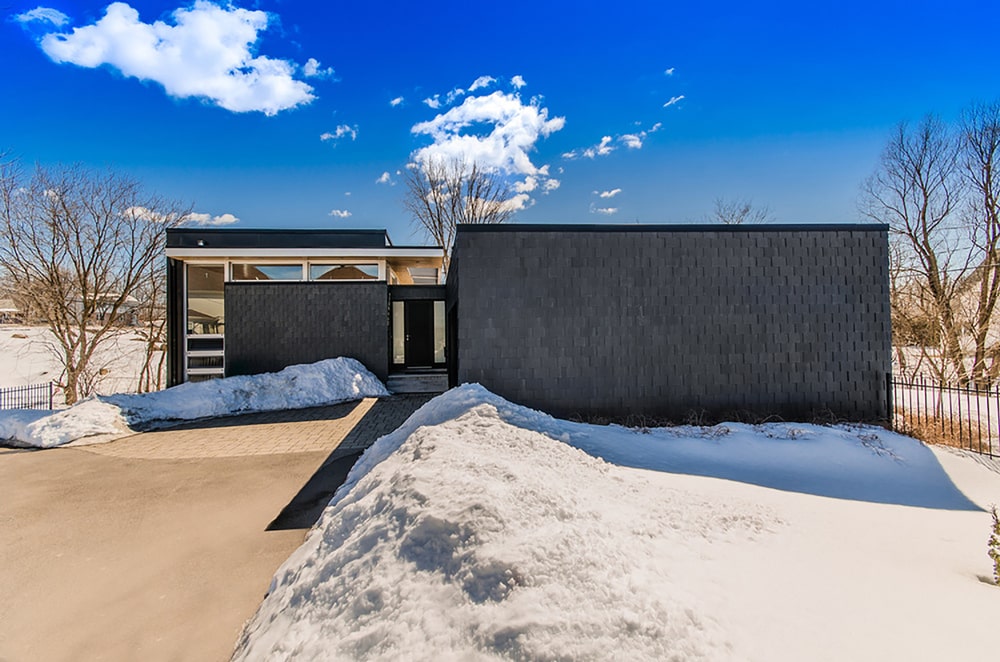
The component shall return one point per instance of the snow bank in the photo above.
(47, 429)
(295, 387)
(478, 531)
(847, 461)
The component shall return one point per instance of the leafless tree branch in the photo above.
(442, 194)
(78, 247)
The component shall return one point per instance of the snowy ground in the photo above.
(26, 357)
(103, 418)
(482, 530)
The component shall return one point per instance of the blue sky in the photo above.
(280, 113)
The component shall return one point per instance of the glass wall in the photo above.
(398, 333)
(205, 306)
(244, 271)
(343, 271)
(439, 336)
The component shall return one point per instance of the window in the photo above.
(243, 271)
(439, 334)
(398, 333)
(343, 272)
(205, 307)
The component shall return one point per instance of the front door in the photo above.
(418, 322)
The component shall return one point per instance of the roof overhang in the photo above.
(429, 252)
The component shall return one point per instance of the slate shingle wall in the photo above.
(273, 325)
(666, 322)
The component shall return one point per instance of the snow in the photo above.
(42, 428)
(484, 530)
(26, 357)
(295, 387)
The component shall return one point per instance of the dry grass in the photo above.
(945, 431)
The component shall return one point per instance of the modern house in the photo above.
(607, 320)
(249, 301)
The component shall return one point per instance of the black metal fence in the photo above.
(960, 416)
(33, 396)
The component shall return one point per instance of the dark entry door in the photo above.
(418, 321)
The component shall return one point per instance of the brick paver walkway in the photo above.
(340, 429)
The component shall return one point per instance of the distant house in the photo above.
(586, 319)
(9, 312)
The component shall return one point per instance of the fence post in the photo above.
(51, 392)
(888, 400)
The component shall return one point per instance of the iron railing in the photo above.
(32, 396)
(961, 416)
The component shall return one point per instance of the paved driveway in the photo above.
(156, 546)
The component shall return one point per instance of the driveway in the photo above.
(159, 546)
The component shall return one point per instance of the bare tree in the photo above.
(151, 294)
(980, 143)
(77, 245)
(738, 211)
(917, 190)
(441, 194)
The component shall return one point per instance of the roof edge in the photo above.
(694, 227)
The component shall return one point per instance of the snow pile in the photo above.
(846, 461)
(295, 387)
(475, 531)
(46, 429)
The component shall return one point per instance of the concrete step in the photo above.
(436, 382)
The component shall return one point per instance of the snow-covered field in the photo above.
(26, 357)
(102, 418)
(483, 530)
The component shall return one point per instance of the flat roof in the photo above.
(273, 238)
(679, 227)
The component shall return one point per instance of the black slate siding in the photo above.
(620, 321)
(273, 325)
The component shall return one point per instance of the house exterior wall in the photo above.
(175, 322)
(660, 320)
(273, 325)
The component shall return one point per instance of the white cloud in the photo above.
(208, 219)
(550, 184)
(607, 211)
(636, 140)
(518, 82)
(43, 15)
(669, 72)
(395, 102)
(340, 213)
(208, 53)
(673, 100)
(312, 69)
(453, 95)
(518, 202)
(529, 184)
(433, 102)
(194, 218)
(481, 82)
(497, 132)
(602, 148)
(385, 178)
(608, 194)
(606, 146)
(633, 140)
(347, 193)
(339, 132)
